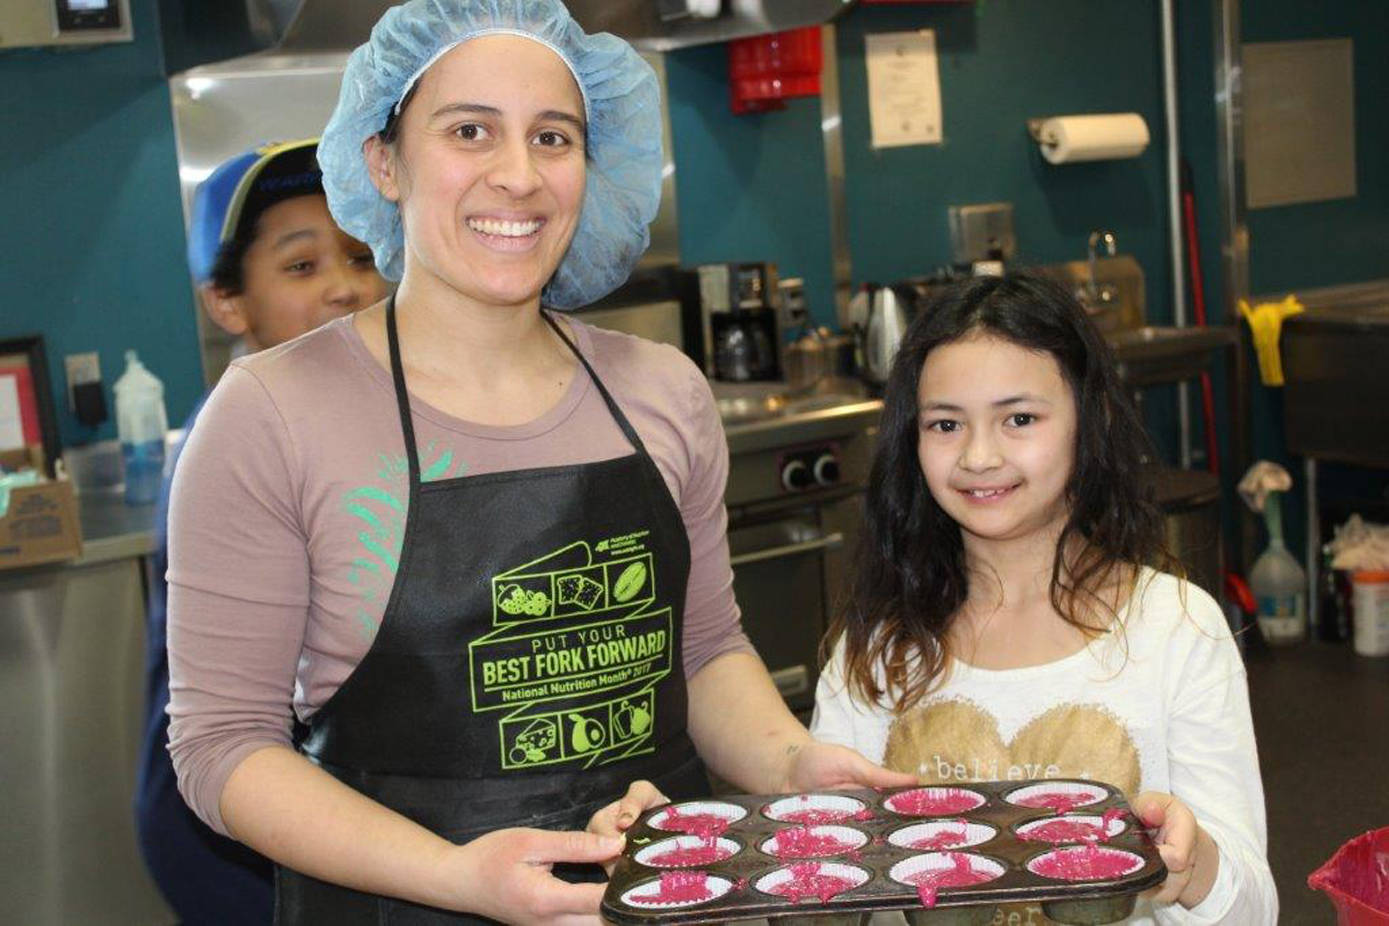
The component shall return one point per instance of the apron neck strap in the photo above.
(402, 397)
(628, 431)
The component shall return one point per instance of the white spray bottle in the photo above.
(1279, 584)
(141, 422)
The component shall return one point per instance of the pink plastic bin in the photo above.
(1356, 879)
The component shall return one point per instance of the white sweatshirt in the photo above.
(1161, 706)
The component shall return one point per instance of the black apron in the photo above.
(528, 664)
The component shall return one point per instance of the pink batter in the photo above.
(809, 882)
(706, 853)
(961, 874)
(813, 817)
(945, 839)
(677, 887)
(801, 842)
(1112, 814)
(1059, 801)
(935, 802)
(1087, 863)
(1055, 831)
(707, 825)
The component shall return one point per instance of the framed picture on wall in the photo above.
(27, 416)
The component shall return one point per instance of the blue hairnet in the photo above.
(621, 102)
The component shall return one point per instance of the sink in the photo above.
(1333, 363)
(820, 402)
(750, 403)
(1164, 353)
(1163, 335)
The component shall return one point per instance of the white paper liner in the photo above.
(942, 793)
(854, 839)
(1094, 793)
(717, 888)
(1136, 862)
(836, 803)
(940, 861)
(1113, 828)
(768, 882)
(647, 854)
(975, 833)
(730, 812)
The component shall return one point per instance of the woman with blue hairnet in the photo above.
(478, 548)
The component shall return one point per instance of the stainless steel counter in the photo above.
(72, 704)
(808, 419)
(111, 529)
(1334, 399)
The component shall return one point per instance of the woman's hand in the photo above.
(614, 820)
(505, 875)
(1188, 851)
(811, 765)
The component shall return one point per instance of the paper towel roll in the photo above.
(1093, 138)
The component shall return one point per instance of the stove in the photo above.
(796, 479)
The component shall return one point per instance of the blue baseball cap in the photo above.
(233, 196)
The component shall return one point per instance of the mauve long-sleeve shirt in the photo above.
(289, 506)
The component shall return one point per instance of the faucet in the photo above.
(1095, 295)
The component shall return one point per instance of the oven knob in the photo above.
(795, 476)
(826, 469)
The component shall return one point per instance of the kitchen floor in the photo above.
(1321, 715)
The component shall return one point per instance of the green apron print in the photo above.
(528, 663)
(581, 642)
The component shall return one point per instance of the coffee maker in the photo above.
(730, 321)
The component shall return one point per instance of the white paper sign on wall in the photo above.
(903, 88)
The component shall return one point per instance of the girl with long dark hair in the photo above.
(1009, 619)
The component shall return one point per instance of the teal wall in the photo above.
(93, 229)
(1344, 240)
(753, 187)
(749, 187)
(992, 81)
(1099, 57)
(93, 236)
(1327, 243)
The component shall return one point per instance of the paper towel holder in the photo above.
(1035, 129)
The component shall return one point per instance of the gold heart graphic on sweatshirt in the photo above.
(957, 740)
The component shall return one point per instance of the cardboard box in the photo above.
(40, 525)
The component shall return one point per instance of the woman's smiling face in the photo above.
(488, 168)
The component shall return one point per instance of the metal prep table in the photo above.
(1336, 393)
(72, 704)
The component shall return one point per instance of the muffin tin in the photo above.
(943, 854)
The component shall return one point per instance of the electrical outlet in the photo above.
(81, 368)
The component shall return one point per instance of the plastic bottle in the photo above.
(1279, 584)
(141, 422)
(1372, 612)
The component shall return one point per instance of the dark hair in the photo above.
(228, 275)
(911, 578)
(288, 175)
(391, 130)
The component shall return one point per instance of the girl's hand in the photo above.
(505, 875)
(615, 819)
(811, 765)
(1187, 850)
